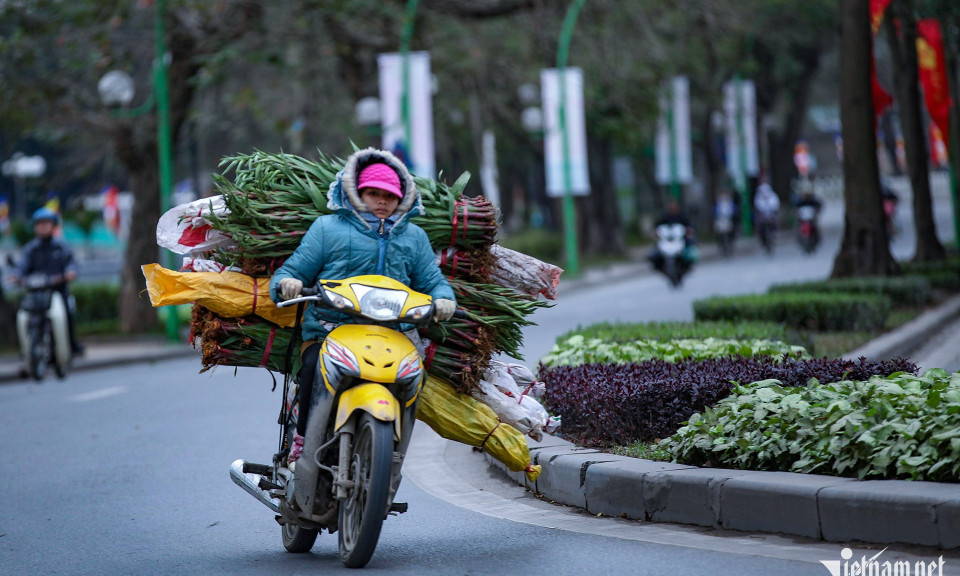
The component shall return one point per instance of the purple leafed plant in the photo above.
(617, 404)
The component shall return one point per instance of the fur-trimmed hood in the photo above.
(344, 196)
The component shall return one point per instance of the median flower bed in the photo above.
(608, 404)
(895, 426)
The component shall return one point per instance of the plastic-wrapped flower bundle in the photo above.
(270, 202)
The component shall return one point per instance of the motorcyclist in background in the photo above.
(675, 215)
(48, 255)
(808, 208)
(766, 205)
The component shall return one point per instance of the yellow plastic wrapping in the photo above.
(229, 294)
(463, 419)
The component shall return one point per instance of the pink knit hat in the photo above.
(380, 176)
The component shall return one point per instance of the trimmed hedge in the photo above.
(96, 303)
(622, 332)
(911, 291)
(609, 404)
(804, 311)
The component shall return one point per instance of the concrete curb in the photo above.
(813, 506)
(911, 336)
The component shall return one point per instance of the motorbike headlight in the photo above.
(410, 368)
(419, 312)
(337, 300)
(380, 303)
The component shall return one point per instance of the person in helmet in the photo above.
(48, 255)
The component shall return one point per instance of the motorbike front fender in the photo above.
(370, 397)
(60, 328)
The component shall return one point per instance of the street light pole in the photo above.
(569, 224)
(165, 154)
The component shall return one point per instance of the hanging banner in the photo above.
(877, 8)
(674, 162)
(575, 164)
(933, 74)
(740, 109)
(417, 153)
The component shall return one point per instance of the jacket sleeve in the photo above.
(70, 263)
(425, 275)
(305, 263)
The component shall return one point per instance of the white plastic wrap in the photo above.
(206, 265)
(185, 229)
(499, 391)
(524, 273)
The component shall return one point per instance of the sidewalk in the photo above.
(103, 353)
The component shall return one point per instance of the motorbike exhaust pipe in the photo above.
(252, 486)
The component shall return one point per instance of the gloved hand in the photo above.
(443, 309)
(290, 288)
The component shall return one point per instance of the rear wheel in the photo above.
(298, 540)
(362, 513)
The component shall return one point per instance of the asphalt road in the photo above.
(124, 471)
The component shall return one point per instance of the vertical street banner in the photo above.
(572, 135)
(740, 111)
(416, 149)
(674, 158)
(933, 74)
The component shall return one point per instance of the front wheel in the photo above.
(39, 351)
(298, 540)
(362, 513)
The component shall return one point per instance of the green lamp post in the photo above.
(569, 217)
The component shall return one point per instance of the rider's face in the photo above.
(43, 229)
(380, 202)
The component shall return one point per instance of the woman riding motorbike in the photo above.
(370, 232)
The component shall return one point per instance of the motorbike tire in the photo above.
(297, 539)
(39, 353)
(361, 515)
(672, 270)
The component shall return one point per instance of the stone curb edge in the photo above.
(813, 506)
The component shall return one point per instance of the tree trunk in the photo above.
(865, 249)
(954, 143)
(599, 221)
(903, 40)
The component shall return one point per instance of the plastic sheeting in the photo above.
(460, 418)
(228, 294)
(524, 273)
(185, 229)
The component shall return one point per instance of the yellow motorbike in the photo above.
(349, 473)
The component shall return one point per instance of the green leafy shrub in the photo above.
(904, 291)
(96, 302)
(810, 311)
(899, 426)
(577, 350)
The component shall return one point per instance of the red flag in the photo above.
(877, 8)
(881, 98)
(933, 74)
